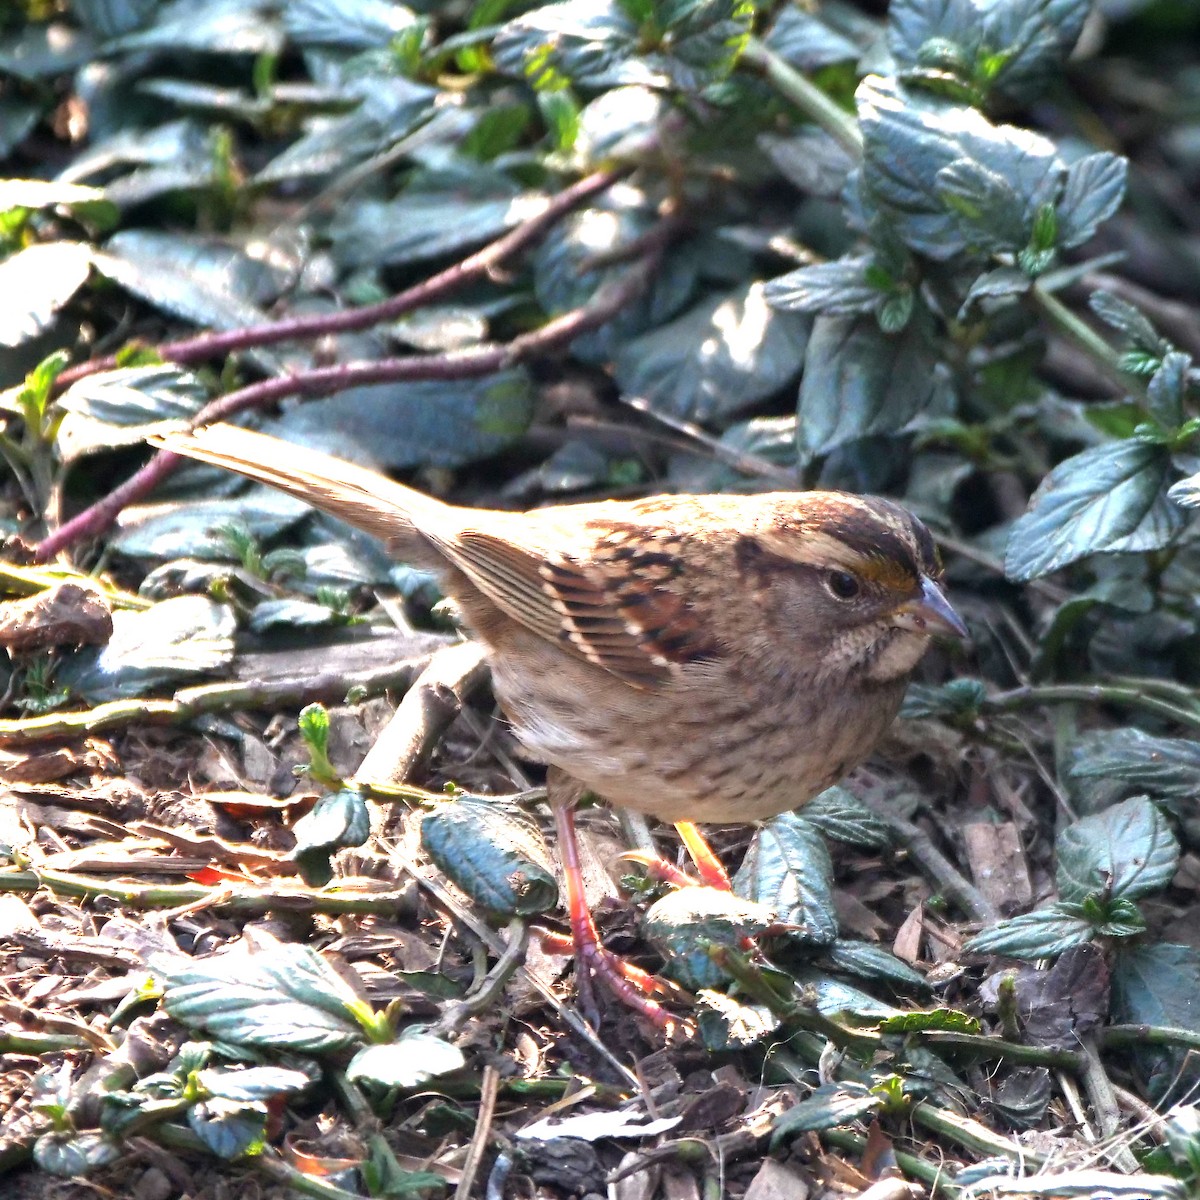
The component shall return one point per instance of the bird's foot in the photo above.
(709, 871)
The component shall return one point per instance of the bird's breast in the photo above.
(709, 747)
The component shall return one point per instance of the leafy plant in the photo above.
(1106, 862)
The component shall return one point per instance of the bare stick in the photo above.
(555, 334)
(476, 266)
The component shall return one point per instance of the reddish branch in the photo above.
(477, 266)
(465, 364)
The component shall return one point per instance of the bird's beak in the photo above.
(930, 612)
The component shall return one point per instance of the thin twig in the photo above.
(1104, 1104)
(938, 867)
(744, 461)
(214, 697)
(483, 1128)
(1090, 693)
(476, 266)
(497, 947)
(467, 364)
(239, 900)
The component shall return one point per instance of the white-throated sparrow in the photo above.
(697, 658)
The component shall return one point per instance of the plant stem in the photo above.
(807, 97)
(990, 1047)
(476, 266)
(214, 697)
(1078, 331)
(930, 1174)
(1090, 693)
(1149, 1035)
(972, 1135)
(243, 901)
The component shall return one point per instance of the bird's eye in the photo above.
(842, 585)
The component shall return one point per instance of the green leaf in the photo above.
(1168, 768)
(1186, 492)
(1092, 192)
(1126, 319)
(252, 1083)
(494, 852)
(1167, 391)
(940, 1019)
(1001, 286)
(562, 118)
(348, 24)
(337, 819)
(586, 251)
(1115, 918)
(443, 423)
(409, 1062)
(831, 997)
(1043, 933)
(838, 288)
(229, 1129)
(600, 43)
(36, 283)
(1126, 852)
(839, 814)
(726, 1023)
(198, 280)
(31, 401)
(438, 214)
(869, 961)
(896, 311)
(214, 28)
(812, 40)
(860, 381)
(498, 129)
(72, 1155)
(721, 356)
(1107, 498)
(170, 642)
(391, 108)
(1019, 47)
(685, 924)
(119, 408)
(957, 699)
(1158, 985)
(787, 868)
(909, 142)
(829, 1107)
(313, 726)
(987, 204)
(286, 997)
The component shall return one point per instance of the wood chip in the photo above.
(66, 615)
(998, 865)
(774, 1181)
(907, 943)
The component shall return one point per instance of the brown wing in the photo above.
(611, 598)
(618, 603)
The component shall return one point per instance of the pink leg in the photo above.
(628, 983)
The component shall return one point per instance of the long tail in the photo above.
(369, 501)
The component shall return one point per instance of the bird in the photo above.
(711, 659)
